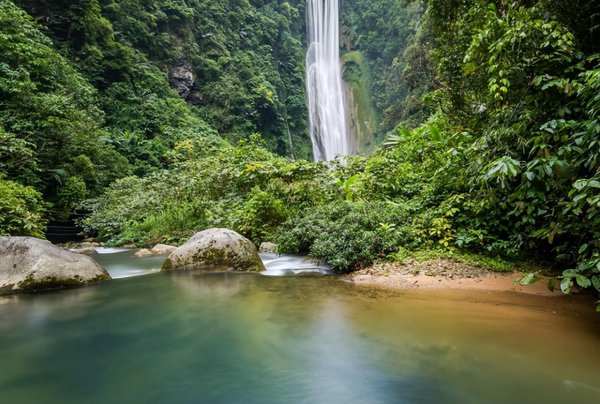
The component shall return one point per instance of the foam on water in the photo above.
(289, 265)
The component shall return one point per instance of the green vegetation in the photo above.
(395, 50)
(357, 77)
(93, 91)
(244, 187)
(491, 110)
(21, 210)
(496, 264)
(50, 130)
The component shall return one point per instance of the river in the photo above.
(249, 338)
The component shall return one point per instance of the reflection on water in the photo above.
(226, 337)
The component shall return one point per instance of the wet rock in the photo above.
(215, 249)
(143, 252)
(30, 264)
(82, 245)
(85, 250)
(195, 97)
(160, 249)
(267, 247)
(182, 79)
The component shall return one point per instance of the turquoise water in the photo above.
(247, 338)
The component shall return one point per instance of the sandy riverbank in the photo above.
(443, 274)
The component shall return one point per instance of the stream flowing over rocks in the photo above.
(30, 264)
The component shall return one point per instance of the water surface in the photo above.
(247, 338)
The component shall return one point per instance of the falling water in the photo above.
(328, 129)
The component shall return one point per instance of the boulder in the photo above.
(267, 247)
(215, 249)
(143, 252)
(160, 249)
(182, 78)
(30, 264)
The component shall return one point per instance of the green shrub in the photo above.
(260, 216)
(21, 210)
(345, 234)
(172, 224)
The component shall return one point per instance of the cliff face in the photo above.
(379, 37)
(360, 115)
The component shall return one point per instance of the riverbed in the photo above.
(300, 338)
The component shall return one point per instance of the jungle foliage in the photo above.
(505, 163)
(238, 64)
(519, 90)
(92, 91)
(390, 36)
(492, 109)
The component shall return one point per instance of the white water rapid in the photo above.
(327, 117)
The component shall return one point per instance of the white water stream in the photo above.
(327, 117)
(122, 263)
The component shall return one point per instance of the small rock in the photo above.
(86, 250)
(266, 247)
(160, 249)
(143, 252)
(82, 245)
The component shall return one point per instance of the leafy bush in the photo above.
(261, 215)
(347, 235)
(21, 210)
(246, 188)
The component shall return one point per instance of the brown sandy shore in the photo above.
(442, 274)
(460, 282)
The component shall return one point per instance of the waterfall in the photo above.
(327, 117)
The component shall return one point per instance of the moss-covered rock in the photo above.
(29, 264)
(215, 249)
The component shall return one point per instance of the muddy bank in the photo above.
(446, 274)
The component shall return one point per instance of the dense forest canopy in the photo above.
(93, 91)
(162, 118)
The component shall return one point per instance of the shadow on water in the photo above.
(227, 337)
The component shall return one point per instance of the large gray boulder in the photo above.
(215, 249)
(31, 264)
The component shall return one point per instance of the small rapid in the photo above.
(290, 265)
(122, 263)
